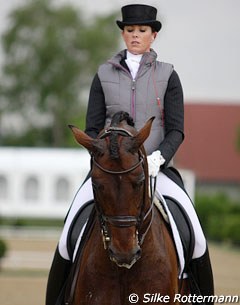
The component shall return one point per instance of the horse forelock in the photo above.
(114, 146)
(120, 119)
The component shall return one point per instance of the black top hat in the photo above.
(139, 14)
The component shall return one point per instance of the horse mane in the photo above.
(120, 116)
(117, 118)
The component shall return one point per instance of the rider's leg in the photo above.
(56, 279)
(62, 260)
(200, 265)
(202, 273)
(83, 195)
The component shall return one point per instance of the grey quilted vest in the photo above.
(142, 98)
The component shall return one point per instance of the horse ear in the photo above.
(143, 133)
(81, 137)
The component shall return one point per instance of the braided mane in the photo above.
(116, 120)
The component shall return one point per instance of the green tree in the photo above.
(50, 56)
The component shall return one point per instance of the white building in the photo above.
(40, 182)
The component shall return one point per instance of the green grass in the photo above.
(23, 273)
(32, 222)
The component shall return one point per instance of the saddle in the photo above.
(184, 227)
(181, 219)
(82, 223)
(80, 219)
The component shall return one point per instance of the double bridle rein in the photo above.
(126, 220)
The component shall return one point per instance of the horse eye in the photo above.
(138, 184)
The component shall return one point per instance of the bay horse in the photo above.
(129, 256)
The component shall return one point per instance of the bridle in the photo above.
(124, 221)
(126, 171)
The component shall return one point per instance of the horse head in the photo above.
(120, 184)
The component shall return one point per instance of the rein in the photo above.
(126, 220)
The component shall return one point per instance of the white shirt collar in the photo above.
(133, 62)
(134, 57)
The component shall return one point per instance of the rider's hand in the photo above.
(155, 160)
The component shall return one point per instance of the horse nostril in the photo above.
(138, 253)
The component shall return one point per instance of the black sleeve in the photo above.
(96, 111)
(173, 118)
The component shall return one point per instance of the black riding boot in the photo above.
(202, 277)
(56, 279)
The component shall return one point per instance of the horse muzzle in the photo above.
(122, 241)
(126, 260)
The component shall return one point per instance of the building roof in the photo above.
(210, 149)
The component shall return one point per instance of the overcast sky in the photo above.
(201, 39)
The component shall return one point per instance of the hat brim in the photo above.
(156, 25)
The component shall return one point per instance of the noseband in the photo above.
(127, 220)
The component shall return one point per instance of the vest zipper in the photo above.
(133, 99)
(133, 86)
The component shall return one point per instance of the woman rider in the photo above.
(135, 82)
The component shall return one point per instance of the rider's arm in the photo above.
(96, 111)
(173, 118)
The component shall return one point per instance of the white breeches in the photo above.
(165, 186)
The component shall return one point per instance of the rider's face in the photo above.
(138, 38)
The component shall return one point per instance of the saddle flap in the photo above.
(184, 227)
(77, 224)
